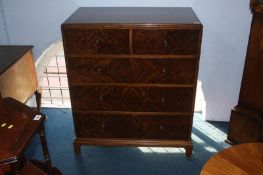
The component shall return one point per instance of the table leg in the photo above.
(38, 94)
(188, 151)
(76, 147)
(16, 168)
(45, 149)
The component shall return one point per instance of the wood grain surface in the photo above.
(243, 159)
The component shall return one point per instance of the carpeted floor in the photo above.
(208, 138)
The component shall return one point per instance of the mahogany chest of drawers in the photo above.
(132, 75)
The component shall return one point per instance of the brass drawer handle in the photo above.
(165, 43)
(162, 100)
(103, 127)
(164, 71)
(101, 98)
(97, 43)
(99, 70)
(161, 127)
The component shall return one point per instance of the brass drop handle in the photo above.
(165, 43)
(97, 41)
(99, 70)
(162, 100)
(101, 98)
(103, 127)
(164, 71)
(161, 127)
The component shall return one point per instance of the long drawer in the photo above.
(96, 41)
(132, 98)
(131, 70)
(132, 126)
(166, 41)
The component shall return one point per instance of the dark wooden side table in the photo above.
(18, 124)
(237, 160)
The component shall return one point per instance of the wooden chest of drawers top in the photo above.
(127, 16)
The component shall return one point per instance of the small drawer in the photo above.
(131, 70)
(177, 127)
(134, 99)
(95, 41)
(170, 41)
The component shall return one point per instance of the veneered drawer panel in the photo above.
(170, 41)
(121, 98)
(133, 126)
(131, 70)
(95, 41)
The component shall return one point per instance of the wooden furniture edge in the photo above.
(187, 145)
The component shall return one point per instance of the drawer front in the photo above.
(131, 70)
(132, 126)
(118, 98)
(95, 41)
(173, 41)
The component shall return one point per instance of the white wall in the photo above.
(36, 22)
(225, 37)
(134, 3)
(226, 29)
(3, 32)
